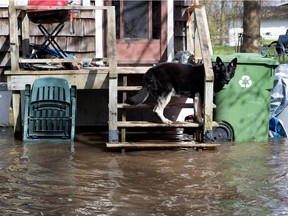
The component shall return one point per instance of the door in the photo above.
(141, 31)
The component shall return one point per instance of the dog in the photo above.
(175, 79)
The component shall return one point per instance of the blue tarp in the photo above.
(279, 101)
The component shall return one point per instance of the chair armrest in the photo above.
(73, 91)
(26, 109)
(73, 94)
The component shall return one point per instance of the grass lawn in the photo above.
(269, 52)
(224, 50)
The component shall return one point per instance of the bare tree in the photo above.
(220, 14)
(251, 26)
(224, 23)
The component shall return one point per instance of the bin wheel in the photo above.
(223, 133)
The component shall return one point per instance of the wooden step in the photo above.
(144, 106)
(127, 124)
(133, 70)
(129, 88)
(142, 145)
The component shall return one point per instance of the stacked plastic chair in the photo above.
(50, 110)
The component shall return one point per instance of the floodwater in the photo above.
(85, 179)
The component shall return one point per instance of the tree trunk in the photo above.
(251, 26)
(223, 29)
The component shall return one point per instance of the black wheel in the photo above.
(223, 133)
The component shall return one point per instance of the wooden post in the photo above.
(14, 56)
(113, 76)
(14, 41)
(99, 29)
(206, 47)
(16, 103)
(25, 33)
(124, 95)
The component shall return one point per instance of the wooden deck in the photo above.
(105, 77)
(84, 78)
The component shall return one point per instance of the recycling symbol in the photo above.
(245, 81)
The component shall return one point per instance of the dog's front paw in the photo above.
(167, 121)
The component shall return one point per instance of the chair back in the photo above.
(49, 109)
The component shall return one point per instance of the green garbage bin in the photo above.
(244, 104)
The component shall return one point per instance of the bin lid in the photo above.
(247, 58)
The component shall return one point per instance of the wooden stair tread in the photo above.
(159, 124)
(163, 145)
(133, 70)
(129, 88)
(143, 106)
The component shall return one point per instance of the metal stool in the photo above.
(41, 16)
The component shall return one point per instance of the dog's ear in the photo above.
(233, 63)
(219, 61)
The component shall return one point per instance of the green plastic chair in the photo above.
(50, 109)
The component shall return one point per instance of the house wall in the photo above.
(180, 25)
(272, 26)
(92, 105)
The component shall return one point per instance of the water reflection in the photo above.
(85, 179)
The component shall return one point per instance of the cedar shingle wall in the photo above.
(80, 44)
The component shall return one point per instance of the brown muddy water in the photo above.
(85, 179)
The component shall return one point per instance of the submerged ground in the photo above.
(85, 179)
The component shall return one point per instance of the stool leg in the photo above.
(50, 38)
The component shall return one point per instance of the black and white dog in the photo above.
(173, 79)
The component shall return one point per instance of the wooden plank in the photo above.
(205, 43)
(132, 70)
(112, 105)
(99, 36)
(82, 81)
(206, 48)
(4, 42)
(208, 106)
(147, 106)
(163, 145)
(144, 106)
(16, 104)
(129, 88)
(55, 60)
(120, 70)
(160, 124)
(14, 43)
(155, 124)
(96, 70)
(85, 14)
(111, 41)
(5, 59)
(113, 76)
(4, 27)
(25, 34)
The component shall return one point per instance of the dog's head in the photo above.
(224, 72)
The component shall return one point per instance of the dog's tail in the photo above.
(139, 98)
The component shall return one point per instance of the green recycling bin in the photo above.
(244, 104)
